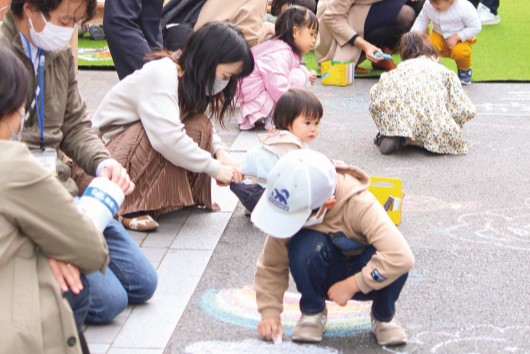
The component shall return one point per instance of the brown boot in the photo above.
(385, 65)
(359, 70)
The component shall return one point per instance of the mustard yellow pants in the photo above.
(461, 53)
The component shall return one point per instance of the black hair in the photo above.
(292, 104)
(213, 44)
(276, 6)
(47, 6)
(415, 44)
(295, 16)
(14, 84)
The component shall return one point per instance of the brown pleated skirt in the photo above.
(161, 187)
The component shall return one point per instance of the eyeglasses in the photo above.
(68, 20)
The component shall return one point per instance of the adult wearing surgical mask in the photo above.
(38, 32)
(157, 123)
(42, 234)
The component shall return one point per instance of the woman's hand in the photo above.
(118, 174)
(225, 175)
(368, 48)
(370, 53)
(226, 159)
(66, 275)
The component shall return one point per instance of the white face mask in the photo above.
(317, 218)
(218, 86)
(16, 136)
(52, 37)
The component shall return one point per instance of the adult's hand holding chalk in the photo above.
(383, 55)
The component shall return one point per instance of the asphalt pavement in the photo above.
(466, 218)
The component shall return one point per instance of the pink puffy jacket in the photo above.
(277, 68)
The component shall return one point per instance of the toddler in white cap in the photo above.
(337, 241)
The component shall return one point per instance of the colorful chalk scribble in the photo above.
(238, 307)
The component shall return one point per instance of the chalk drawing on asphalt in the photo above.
(472, 339)
(515, 104)
(353, 104)
(255, 346)
(425, 203)
(507, 228)
(238, 306)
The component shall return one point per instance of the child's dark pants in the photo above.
(316, 263)
(248, 194)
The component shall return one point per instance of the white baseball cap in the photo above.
(302, 181)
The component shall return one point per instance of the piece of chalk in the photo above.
(383, 55)
(278, 339)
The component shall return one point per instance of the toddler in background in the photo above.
(296, 120)
(420, 103)
(277, 65)
(277, 7)
(455, 25)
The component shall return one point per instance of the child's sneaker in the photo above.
(465, 76)
(310, 328)
(388, 333)
(488, 18)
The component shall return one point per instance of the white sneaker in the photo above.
(389, 333)
(481, 8)
(310, 327)
(487, 18)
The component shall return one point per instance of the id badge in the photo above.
(47, 159)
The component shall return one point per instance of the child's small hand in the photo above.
(452, 41)
(342, 291)
(312, 77)
(270, 328)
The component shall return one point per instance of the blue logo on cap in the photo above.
(279, 199)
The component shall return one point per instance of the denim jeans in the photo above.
(129, 279)
(248, 194)
(316, 263)
(79, 303)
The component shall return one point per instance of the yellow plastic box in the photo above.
(388, 192)
(337, 73)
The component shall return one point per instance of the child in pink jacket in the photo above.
(277, 65)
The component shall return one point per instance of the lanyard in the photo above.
(38, 93)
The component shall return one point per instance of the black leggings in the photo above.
(388, 20)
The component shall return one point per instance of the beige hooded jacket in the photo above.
(357, 214)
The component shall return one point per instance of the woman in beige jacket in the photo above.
(38, 221)
(247, 15)
(349, 28)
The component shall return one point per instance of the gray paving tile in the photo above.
(151, 325)
(135, 351)
(170, 225)
(102, 334)
(155, 254)
(224, 197)
(201, 231)
(245, 140)
(96, 348)
(137, 236)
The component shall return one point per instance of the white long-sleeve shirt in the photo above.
(150, 95)
(461, 18)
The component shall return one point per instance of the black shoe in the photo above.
(378, 138)
(96, 32)
(389, 144)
